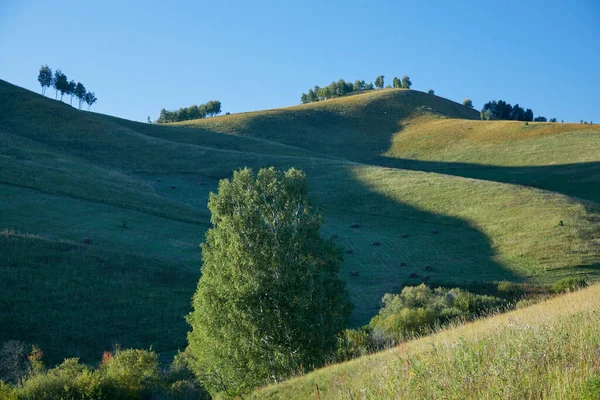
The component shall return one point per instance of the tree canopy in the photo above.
(406, 83)
(503, 110)
(379, 82)
(60, 83)
(45, 78)
(209, 109)
(269, 302)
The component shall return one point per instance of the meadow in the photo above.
(477, 201)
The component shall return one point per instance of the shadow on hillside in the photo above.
(580, 180)
(438, 249)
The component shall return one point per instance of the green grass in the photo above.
(547, 351)
(67, 174)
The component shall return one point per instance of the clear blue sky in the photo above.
(140, 56)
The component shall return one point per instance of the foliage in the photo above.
(60, 83)
(80, 93)
(431, 91)
(90, 98)
(379, 82)
(333, 90)
(419, 309)
(397, 83)
(71, 90)
(128, 374)
(269, 303)
(406, 83)
(45, 77)
(540, 119)
(545, 351)
(468, 103)
(200, 111)
(504, 111)
(568, 284)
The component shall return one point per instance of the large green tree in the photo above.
(397, 82)
(269, 302)
(379, 81)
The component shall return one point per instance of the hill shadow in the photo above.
(581, 180)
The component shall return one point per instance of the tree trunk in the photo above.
(56, 96)
(71, 103)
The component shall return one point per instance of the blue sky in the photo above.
(140, 56)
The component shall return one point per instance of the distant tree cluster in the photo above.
(343, 88)
(504, 111)
(209, 109)
(58, 80)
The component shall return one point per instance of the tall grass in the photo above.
(547, 351)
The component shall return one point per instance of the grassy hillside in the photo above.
(139, 191)
(547, 351)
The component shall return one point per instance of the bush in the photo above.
(568, 284)
(133, 371)
(418, 310)
(70, 380)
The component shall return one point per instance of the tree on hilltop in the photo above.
(58, 82)
(379, 82)
(269, 303)
(45, 78)
(71, 90)
(90, 98)
(406, 83)
(468, 103)
(397, 83)
(80, 93)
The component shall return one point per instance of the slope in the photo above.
(548, 350)
(140, 192)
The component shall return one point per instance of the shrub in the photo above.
(567, 284)
(132, 370)
(419, 309)
(69, 380)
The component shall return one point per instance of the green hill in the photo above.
(389, 161)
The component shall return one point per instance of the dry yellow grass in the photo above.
(549, 350)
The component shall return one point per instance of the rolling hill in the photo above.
(478, 201)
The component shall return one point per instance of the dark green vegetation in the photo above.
(476, 201)
(124, 374)
(269, 303)
(343, 88)
(210, 109)
(61, 84)
(503, 110)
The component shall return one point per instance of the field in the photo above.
(478, 201)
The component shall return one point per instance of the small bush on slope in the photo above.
(419, 309)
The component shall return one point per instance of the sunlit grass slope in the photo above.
(139, 191)
(547, 351)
